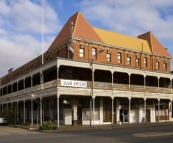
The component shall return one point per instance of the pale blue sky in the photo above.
(20, 23)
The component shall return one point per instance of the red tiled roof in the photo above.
(155, 45)
(82, 29)
(64, 34)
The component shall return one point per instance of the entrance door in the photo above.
(107, 110)
(79, 115)
(123, 115)
(148, 115)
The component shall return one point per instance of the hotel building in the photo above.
(92, 76)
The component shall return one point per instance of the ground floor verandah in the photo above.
(84, 110)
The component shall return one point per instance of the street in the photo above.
(117, 135)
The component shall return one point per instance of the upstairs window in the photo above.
(108, 57)
(157, 65)
(145, 62)
(129, 60)
(94, 51)
(119, 58)
(165, 66)
(137, 61)
(81, 51)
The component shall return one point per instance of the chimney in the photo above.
(10, 70)
(166, 48)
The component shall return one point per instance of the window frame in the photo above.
(129, 60)
(145, 62)
(157, 65)
(81, 52)
(108, 57)
(137, 61)
(165, 66)
(119, 57)
(94, 52)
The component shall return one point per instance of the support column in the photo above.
(158, 82)
(129, 111)
(41, 113)
(24, 111)
(129, 82)
(112, 112)
(171, 111)
(57, 112)
(158, 110)
(90, 112)
(145, 121)
(93, 112)
(117, 111)
(145, 83)
(31, 112)
(17, 112)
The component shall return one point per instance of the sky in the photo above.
(21, 30)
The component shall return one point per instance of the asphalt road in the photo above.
(118, 135)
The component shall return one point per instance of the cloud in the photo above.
(132, 17)
(20, 31)
(4, 8)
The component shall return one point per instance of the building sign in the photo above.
(73, 83)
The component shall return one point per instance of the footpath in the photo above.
(69, 128)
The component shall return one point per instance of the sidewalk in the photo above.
(66, 128)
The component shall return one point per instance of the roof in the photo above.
(121, 40)
(146, 42)
(82, 29)
(156, 46)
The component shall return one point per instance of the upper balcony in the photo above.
(57, 84)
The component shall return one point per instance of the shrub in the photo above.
(25, 124)
(47, 125)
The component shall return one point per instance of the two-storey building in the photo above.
(93, 76)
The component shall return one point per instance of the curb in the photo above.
(152, 134)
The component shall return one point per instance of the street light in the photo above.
(93, 85)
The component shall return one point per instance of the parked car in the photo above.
(3, 120)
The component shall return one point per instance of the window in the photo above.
(165, 66)
(81, 52)
(145, 62)
(157, 65)
(137, 61)
(108, 57)
(94, 53)
(119, 58)
(129, 60)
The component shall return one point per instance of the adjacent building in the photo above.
(93, 76)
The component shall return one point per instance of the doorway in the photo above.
(123, 116)
(148, 115)
(79, 115)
